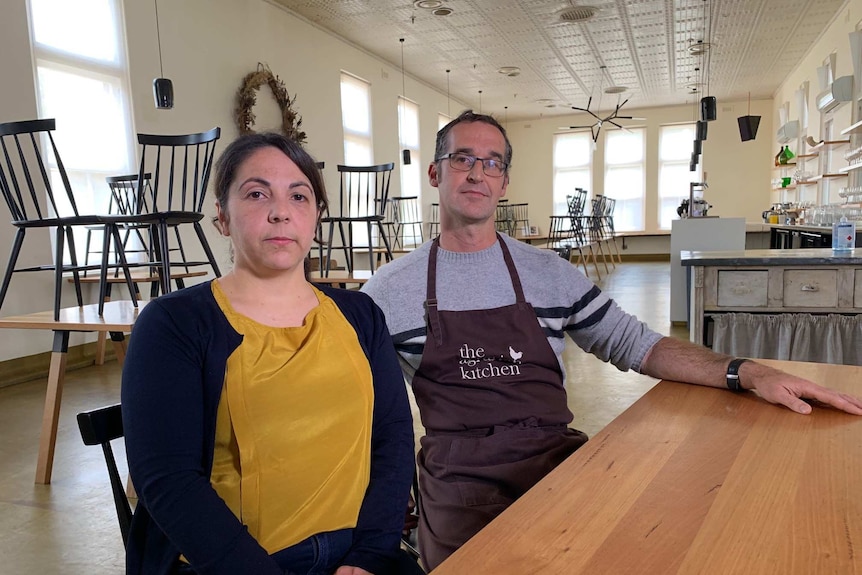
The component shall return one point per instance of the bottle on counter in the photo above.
(843, 235)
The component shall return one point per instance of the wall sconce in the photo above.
(163, 88)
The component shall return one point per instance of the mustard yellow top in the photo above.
(293, 431)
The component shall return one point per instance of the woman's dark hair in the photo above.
(239, 151)
(470, 116)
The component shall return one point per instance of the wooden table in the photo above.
(119, 317)
(341, 278)
(693, 480)
(538, 238)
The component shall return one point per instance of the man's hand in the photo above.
(785, 389)
(347, 570)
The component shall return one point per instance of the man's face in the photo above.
(469, 198)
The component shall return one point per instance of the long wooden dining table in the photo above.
(693, 479)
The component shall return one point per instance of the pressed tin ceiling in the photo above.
(648, 46)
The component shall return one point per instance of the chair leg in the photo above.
(595, 262)
(121, 255)
(73, 257)
(165, 280)
(58, 270)
(347, 244)
(202, 237)
(385, 244)
(10, 268)
(329, 249)
(183, 251)
(371, 245)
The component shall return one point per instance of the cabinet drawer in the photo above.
(742, 288)
(811, 288)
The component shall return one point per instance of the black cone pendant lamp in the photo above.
(163, 88)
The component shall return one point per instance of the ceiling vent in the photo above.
(840, 91)
(577, 14)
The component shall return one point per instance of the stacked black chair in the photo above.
(39, 195)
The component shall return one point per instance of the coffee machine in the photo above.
(694, 206)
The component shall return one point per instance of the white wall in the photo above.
(834, 39)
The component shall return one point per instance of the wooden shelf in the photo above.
(854, 129)
(824, 176)
(779, 166)
(829, 143)
(807, 155)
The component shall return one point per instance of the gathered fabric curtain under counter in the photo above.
(831, 338)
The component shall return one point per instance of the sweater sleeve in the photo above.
(381, 516)
(164, 411)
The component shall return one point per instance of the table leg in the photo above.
(120, 346)
(51, 413)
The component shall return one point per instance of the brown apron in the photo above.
(490, 392)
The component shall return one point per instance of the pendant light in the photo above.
(405, 153)
(448, 97)
(163, 88)
(708, 104)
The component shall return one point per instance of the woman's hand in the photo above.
(348, 570)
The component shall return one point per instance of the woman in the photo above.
(266, 419)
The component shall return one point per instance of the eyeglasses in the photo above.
(464, 163)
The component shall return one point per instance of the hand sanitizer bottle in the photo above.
(843, 235)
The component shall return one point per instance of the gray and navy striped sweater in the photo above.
(565, 301)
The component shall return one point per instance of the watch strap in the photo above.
(732, 377)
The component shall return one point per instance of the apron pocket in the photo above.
(499, 468)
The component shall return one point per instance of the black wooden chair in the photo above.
(403, 223)
(39, 195)
(180, 167)
(362, 196)
(100, 427)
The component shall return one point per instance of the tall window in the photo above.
(674, 175)
(356, 120)
(79, 51)
(408, 132)
(624, 177)
(572, 167)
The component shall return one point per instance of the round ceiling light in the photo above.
(510, 71)
(577, 14)
(699, 48)
(428, 4)
(616, 89)
(442, 11)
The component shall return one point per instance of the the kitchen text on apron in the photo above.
(472, 357)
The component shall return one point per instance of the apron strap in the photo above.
(513, 273)
(432, 318)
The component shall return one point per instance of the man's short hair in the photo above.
(468, 116)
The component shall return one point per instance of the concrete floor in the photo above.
(70, 526)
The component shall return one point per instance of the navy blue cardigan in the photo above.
(172, 381)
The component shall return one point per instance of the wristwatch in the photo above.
(732, 376)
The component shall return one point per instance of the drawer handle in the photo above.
(808, 287)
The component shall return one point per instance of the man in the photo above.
(478, 321)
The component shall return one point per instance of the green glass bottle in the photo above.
(787, 156)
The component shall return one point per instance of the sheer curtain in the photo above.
(829, 338)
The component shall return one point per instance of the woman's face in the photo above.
(271, 214)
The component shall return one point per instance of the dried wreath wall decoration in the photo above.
(246, 97)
